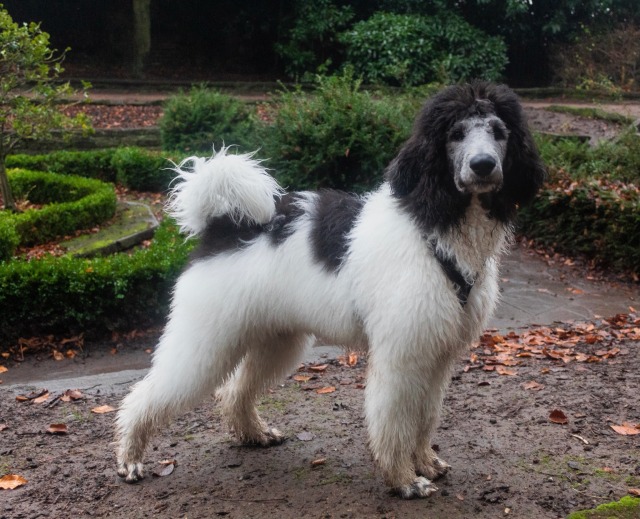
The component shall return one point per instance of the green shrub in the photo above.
(72, 203)
(135, 168)
(618, 159)
(141, 169)
(409, 49)
(593, 217)
(312, 40)
(68, 295)
(202, 118)
(91, 164)
(339, 137)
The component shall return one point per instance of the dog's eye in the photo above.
(456, 135)
(499, 133)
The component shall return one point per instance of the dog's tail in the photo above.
(225, 184)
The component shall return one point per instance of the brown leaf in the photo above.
(634, 491)
(11, 481)
(319, 368)
(626, 429)
(325, 390)
(57, 355)
(167, 468)
(103, 409)
(41, 398)
(318, 462)
(504, 371)
(557, 416)
(71, 394)
(31, 396)
(3, 369)
(57, 428)
(302, 378)
(533, 385)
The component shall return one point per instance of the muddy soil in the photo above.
(508, 458)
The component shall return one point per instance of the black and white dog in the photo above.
(409, 271)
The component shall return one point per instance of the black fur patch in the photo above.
(335, 215)
(287, 212)
(223, 235)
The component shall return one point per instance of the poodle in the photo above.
(408, 271)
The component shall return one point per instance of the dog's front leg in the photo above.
(393, 407)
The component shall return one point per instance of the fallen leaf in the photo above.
(3, 369)
(103, 409)
(305, 436)
(302, 378)
(167, 468)
(626, 429)
(319, 368)
(41, 398)
(318, 462)
(325, 390)
(557, 416)
(11, 481)
(71, 394)
(634, 491)
(533, 385)
(57, 428)
(504, 371)
(57, 355)
(31, 396)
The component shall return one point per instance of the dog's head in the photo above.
(468, 140)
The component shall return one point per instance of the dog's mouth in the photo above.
(479, 185)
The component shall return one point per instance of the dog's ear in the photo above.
(524, 170)
(405, 171)
(422, 161)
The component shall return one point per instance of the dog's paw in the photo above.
(433, 469)
(268, 437)
(131, 472)
(421, 487)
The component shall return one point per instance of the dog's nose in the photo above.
(482, 164)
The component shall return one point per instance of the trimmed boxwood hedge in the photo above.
(598, 219)
(68, 295)
(135, 168)
(71, 203)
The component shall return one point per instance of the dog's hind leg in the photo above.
(393, 402)
(189, 364)
(266, 362)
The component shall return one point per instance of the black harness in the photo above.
(449, 267)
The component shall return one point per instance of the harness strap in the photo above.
(449, 267)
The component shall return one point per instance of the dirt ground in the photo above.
(509, 458)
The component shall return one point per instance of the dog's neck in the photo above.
(475, 240)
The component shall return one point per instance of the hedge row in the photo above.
(598, 219)
(68, 295)
(135, 168)
(71, 203)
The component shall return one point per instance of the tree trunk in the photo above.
(141, 35)
(5, 188)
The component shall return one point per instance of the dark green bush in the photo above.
(596, 218)
(312, 41)
(91, 164)
(409, 49)
(141, 169)
(135, 168)
(72, 203)
(68, 295)
(202, 118)
(339, 137)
